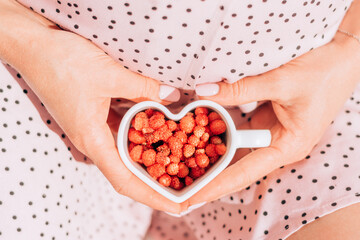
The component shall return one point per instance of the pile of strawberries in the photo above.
(176, 153)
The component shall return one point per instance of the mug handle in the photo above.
(252, 138)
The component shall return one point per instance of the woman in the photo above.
(260, 50)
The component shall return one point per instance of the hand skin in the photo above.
(300, 100)
(76, 80)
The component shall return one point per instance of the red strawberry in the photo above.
(199, 131)
(188, 150)
(165, 180)
(157, 121)
(136, 153)
(148, 157)
(190, 162)
(194, 140)
(202, 160)
(217, 127)
(201, 110)
(213, 116)
(172, 169)
(156, 170)
(210, 150)
(181, 135)
(136, 136)
(176, 183)
(220, 149)
(187, 124)
(188, 180)
(202, 120)
(183, 170)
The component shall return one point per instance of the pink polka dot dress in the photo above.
(48, 189)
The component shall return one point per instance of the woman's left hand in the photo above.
(304, 97)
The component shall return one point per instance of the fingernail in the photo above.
(190, 209)
(169, 93)
(206, 90)
(173, 214)
(193, 207)
(249, 107)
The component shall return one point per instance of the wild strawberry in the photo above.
(157, 121)
(217, 126)
(190, 162)
(197, 172)
(215, 140)
(187, 124)
(150, 138)
(214, 159)
(162, 159)
(176, 183)
(178, 153)
(149, 112)
(171, 125)
(220, 149)
(213, 116)
(188, 180)
(131, 146)
(136, 153)
(174, 158)
(199, 151)
(183, 170)
(181, 135)
(202, 144)
(201, 110)
(163, 133)
(193, 140)
(148, 157)
(199, 131)
(210, 150)
(205, 137)
(141, 121)
(165, 180)
(147, 130)
(188, 150)
(133, 122)
(159, 114)
(136, 136)
(164, 149)
(172, 169)
(156, 170)
(202, 160)
(175, 143)
(202, 120)
(180, 158)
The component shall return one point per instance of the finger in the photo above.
(102, 150)
(124, 83)
(251, 166)
(241, 174)
(248, 107)
(246, 90)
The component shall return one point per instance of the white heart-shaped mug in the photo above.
(234, 139)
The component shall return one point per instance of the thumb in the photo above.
(245, 90)
(101, 149)
(123, 83)
(240, 175)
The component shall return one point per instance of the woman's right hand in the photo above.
(76, 80)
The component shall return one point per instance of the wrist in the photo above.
(349, 46)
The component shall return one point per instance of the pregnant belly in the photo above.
(185, 43)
